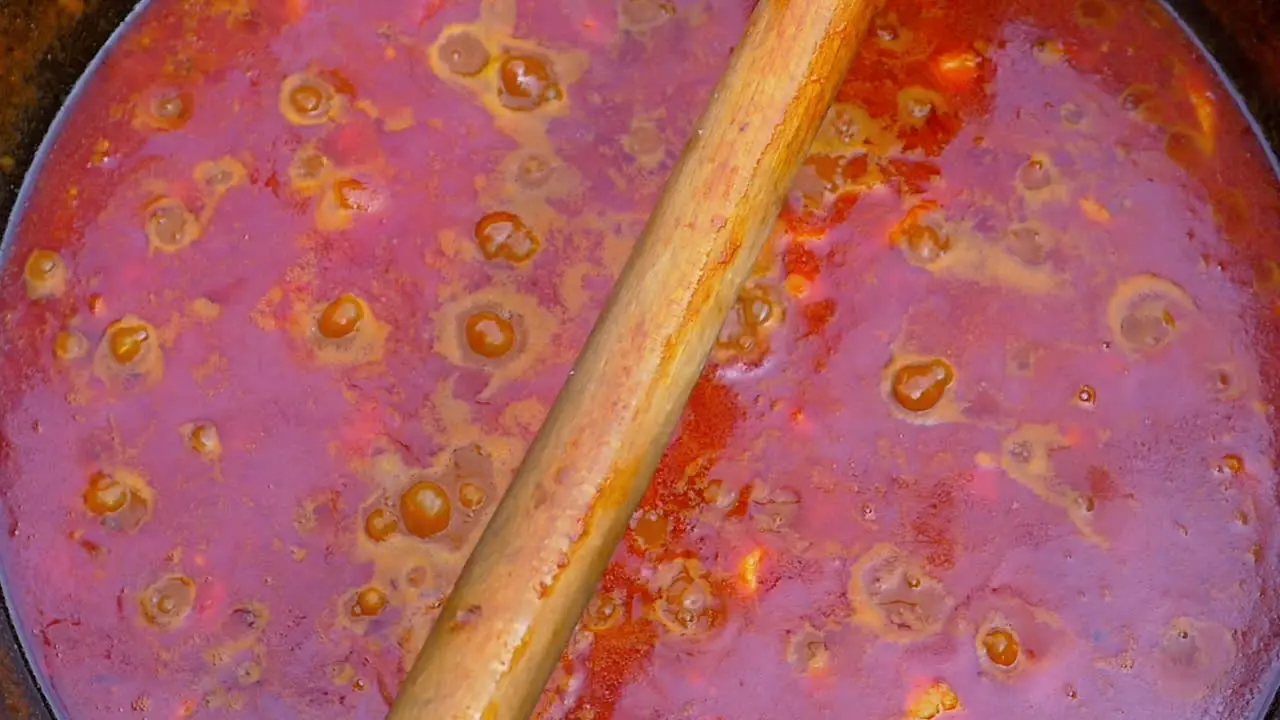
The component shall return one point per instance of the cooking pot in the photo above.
(46, 45)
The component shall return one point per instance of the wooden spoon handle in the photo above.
(513, 608)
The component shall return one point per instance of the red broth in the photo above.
(989, 435)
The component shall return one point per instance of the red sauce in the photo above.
(989, 434)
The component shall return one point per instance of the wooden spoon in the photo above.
(513, 608)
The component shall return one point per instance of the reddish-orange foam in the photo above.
(1055, 201)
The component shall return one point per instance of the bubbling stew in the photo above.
(990, 432)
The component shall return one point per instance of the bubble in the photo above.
(1192, 656)
(1072, 114)
(489, 334)
(847, 124)
(1227, 381)
(918, 108)
(69, 345)
(344, 199)
(309, 170)
(105, 495)
(168, 601)
(1000, 645)
(341, 317)
(1231, 465)
(605, 611)
(1147, 331)
(1145, 312)
(919, 236)
(645, 142)
(306, 99)
(45, 274)
(1086, 396)
(249, 617)
(774, 510)
(463, 54)
(417, 576)
(533, 171)
(744, 337)
(165, 109)
(526, 82)
(426, 509)
(381, 524)
(1028, 243)
(342, 331)
(42, 264)
(119, 497)
(481, 330)
(893, 595)
(933, 702)
(686, 603)
(370, 602)
(170, 226)
(1035, 175)
(916, 105)
(354, 195)
(924, 245)
(919, 386)
(505, 236)
(471, 496)
(128, 342)
(807, 652)
(216, 177)
(204, 439)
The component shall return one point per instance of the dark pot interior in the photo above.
(46, 45)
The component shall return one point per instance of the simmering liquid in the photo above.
(989, 434)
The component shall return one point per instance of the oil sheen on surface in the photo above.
(989, 435)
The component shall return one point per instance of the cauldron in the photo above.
(45, 49)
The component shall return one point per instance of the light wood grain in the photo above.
(541, 556)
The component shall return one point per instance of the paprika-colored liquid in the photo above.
(990, 433)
